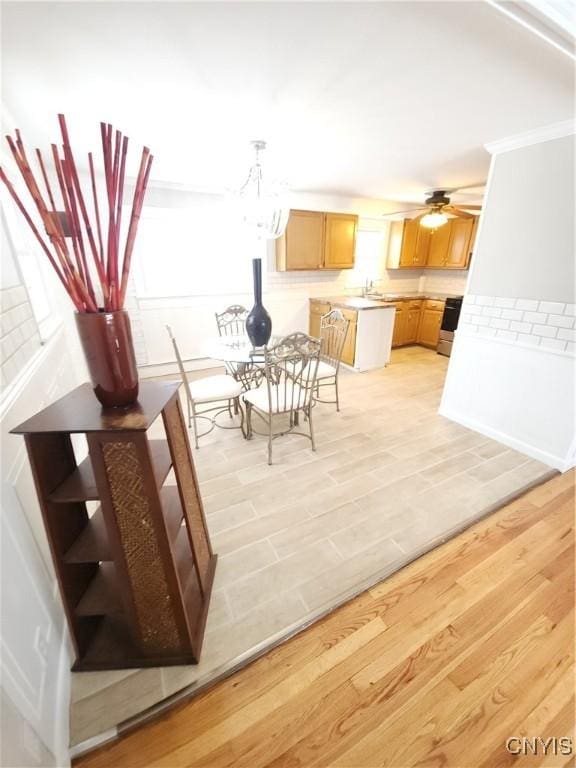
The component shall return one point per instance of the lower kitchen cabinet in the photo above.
(399, 332)
(430, 323)
(412, 323)
(349, 349)
(417, 322)
(317, 309)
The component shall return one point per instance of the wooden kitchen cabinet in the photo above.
(448, 247)
(439, 242)
(412, 244)
(349, 348)
(302, 245)
(412, 323)
(406, 322)
(399, 331)
(317, 309)
(339, 240)
(462, 232)
(317, 240)
(430, 322)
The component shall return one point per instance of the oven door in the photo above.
(451, 315)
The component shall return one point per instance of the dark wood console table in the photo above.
(136, 575)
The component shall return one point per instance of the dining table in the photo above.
(241, 358)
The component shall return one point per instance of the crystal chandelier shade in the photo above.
(263, 201)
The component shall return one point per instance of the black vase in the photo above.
(258, 322)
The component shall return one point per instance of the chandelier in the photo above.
(263, 201)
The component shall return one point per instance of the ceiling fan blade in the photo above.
(465, 207)
(457, 212)
(406, 210)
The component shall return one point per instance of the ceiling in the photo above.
(383, 100)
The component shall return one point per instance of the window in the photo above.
(200, 250)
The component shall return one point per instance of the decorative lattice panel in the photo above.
(187, 481)
(134, 518)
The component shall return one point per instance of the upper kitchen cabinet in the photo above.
(302, 244)
(439, 245)
(408, 245)
(317, 240)
(448, 247)
(462, 233)
(339, 240)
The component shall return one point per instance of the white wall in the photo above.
(39, 364)
(512, 370)
(528, 228)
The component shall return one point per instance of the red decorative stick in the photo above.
(72, 265)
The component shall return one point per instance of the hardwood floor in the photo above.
(390, 478)
(437, 666)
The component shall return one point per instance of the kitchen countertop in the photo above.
(359, 302)
(353, 302)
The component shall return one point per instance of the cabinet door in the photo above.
(409, 242)
(460, 243)
(438, 250)
(339, 240)
(317, 309)
(399, 332)
(411, 326)
(349, 348)
(430, 327)
(302, 246)
(415, 244)
(422, 246)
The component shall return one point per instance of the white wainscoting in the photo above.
(520, 395)
(34, 642)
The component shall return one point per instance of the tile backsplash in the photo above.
(19, 337)
(444, 281)
(530, 322)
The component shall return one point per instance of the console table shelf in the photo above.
(136, 575)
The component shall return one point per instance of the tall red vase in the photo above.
(106, 339)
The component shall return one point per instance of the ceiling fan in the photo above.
(438, 208)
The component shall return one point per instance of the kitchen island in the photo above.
(369, 339)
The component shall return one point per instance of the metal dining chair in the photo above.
(333, 331)
(290, 368)
(211, 391)
(232, 322)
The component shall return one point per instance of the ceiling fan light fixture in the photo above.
(433, 220)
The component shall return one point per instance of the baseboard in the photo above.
(63, 755)
(561, 463)
(93, 743)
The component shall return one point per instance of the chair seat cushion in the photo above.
(214, 388)
(283, 398)
(325, 370)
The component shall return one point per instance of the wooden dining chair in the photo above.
(290, 368)
(210, 391)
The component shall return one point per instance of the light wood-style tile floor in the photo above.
(437, 666)
(390, 480)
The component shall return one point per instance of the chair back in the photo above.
(333, 332)
(183, 373)
(290, 369)
(232, 322)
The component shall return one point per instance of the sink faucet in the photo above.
(368, 287)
